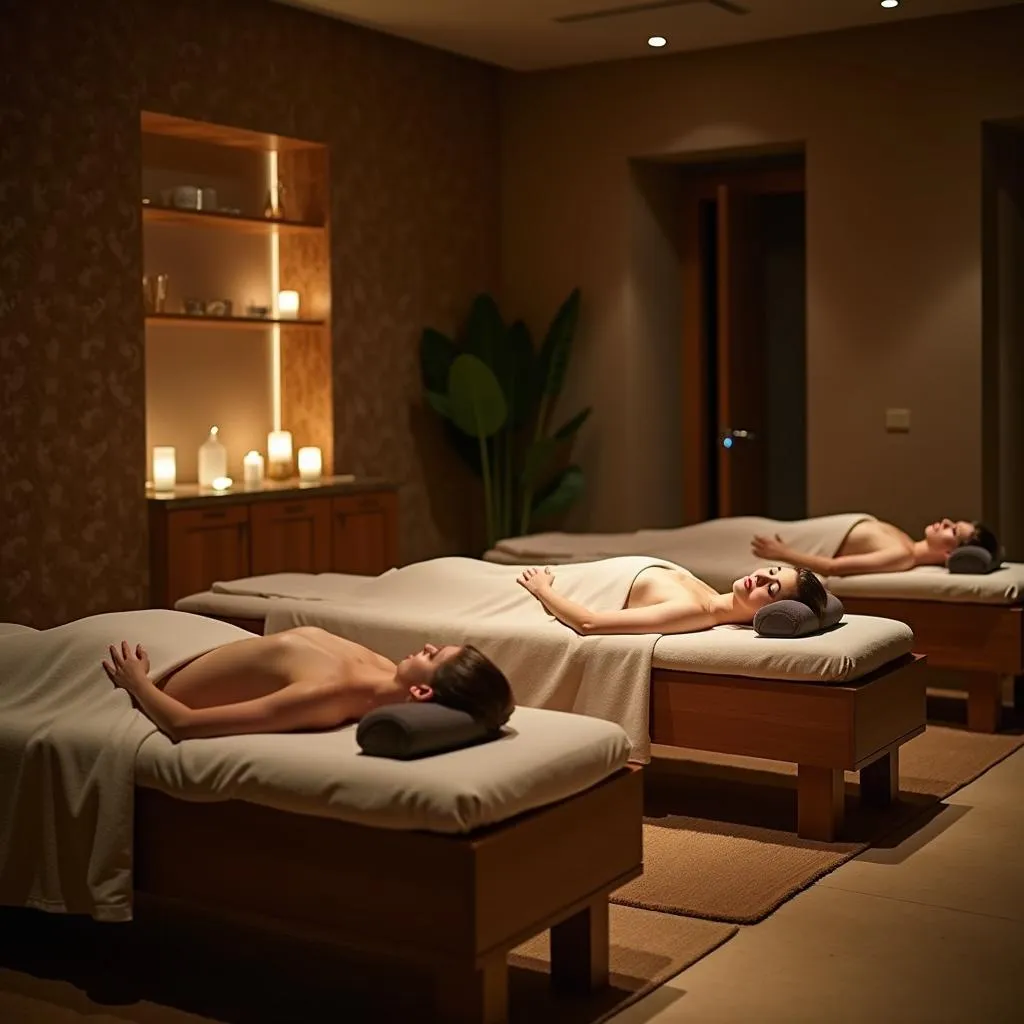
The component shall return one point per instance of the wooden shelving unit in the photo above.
(196, 320)
(247, 374)
(152, 214)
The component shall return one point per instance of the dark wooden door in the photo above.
(739, 353)
(724, 385)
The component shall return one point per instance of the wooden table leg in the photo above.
(471, 996)
(819, 807)
(984, 701)
(880, 780)
(1018, 694)
(580, 948)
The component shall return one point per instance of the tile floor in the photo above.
(925, 930)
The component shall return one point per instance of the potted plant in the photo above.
(497, 394)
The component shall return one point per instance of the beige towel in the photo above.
(68, 741)
(717, 551)
(463, 600)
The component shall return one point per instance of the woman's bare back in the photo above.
(249, 669)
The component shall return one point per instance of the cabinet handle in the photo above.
(342, 518)
(218, 513)
(294, 509)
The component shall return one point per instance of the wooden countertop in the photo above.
(190, 496)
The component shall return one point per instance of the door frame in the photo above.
(700, 187)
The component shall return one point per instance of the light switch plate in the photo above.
(897, 420)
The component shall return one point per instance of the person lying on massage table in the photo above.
(304, 678)
(874, 546)
(663, 600)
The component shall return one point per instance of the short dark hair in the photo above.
(811, 591)
(471, 682)
(984, 538)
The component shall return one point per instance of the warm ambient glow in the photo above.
(890, 3)
(164, 468)
(311, 464)
(287, 305)
(221, 483)
(657, 41)
(275, 283)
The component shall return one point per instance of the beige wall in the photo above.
(890, 120)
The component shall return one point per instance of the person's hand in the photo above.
(536, 580)
(772, 548)
(127, 668)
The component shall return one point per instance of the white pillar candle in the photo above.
(287, 305)
(311, 464)
(279, 454)
(164, 468)
(252, 469)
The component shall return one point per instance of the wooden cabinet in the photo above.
(364, 538)
(204, 545)
(198, 540)
(290, 536)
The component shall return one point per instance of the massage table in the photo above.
(971, 624)
(447, 862)
(843, 700)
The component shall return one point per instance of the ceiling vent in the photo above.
(650, 5)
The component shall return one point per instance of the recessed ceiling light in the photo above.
(657, 41)
(890, 3)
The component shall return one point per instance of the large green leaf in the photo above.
(568, 429)
(515, 370)
(563, 492)
(557, 346)
(437, 353)
(440, 404)
(477, 402)
(485, 330)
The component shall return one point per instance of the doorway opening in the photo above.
(743, 400)
(1003, 332)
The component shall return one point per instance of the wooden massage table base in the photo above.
(985, 642)
(455, 903)
(825, 729)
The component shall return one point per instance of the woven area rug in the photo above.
(719, 840)
(172, 967)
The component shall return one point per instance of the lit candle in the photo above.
(221, 483)
(287, 305)
(311, 464)
(164, 468)
(252, 469)
(279, 454)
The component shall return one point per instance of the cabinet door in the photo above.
(365, 533)
(206, 545)
(291, 536)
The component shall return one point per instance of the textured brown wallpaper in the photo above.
(414, 155)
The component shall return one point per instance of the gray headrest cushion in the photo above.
(794, 618)
(406, 731)
(973, 559)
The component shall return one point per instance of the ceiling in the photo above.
(528, 35)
